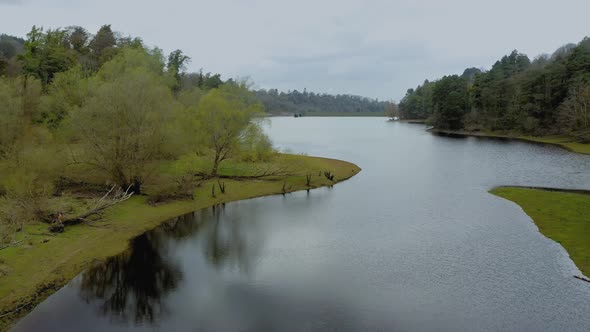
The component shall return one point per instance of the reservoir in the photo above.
(414, 242)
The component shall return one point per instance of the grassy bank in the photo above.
(562, 141)
(561, 216)
(44, 262)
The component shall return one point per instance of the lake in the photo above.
(414, 242)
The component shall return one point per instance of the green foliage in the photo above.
(255, 145)
(545, 96)
(83, 112)
(202, 81)
(67, 93)
(103, 45)
(417, 103)
(224, 118)
(12, 121)
(10, 46)
(309, 103)
(177, 62)
(450, 102)
(123, 124)
(45, 55)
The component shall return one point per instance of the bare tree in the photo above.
(575, 110)
(391, 110)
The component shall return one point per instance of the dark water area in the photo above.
(413, 243)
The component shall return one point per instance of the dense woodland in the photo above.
(548, 95)
(85, 114)
(309, 103)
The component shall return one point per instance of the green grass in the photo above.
(561, 216)
(31, 272)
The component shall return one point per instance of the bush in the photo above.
(172, 188)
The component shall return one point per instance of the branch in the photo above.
(13, 244)
(268, 172)
(109, 199)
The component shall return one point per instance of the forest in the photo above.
(310, 103)
(549, 95)
(87, 120)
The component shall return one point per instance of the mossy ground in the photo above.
(561, 216)
(44, 263)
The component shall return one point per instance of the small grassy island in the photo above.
(560, 215)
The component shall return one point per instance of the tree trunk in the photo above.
(215, 167)
(215, 164)
(136, 186)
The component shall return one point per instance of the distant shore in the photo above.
(329, 114)
(565, 142)
(416, 121)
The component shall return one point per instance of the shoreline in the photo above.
(560, 141)
(560, 215)
(47, 263)
(550, 189)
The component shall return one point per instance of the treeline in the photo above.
(45, 53)
(81, 112)
(548, 95)
(302, 103)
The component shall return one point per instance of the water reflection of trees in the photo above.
(132, 285)
(229, 241)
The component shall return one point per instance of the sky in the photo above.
(372, 48)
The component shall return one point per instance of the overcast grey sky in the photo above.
(371, 48)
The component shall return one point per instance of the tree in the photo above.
(123, 125)
(391, 110)
(78, 39)
(103, 45)
(223, 117)
(67, 93)
(12, 120)
(177, 62)
(45, 54)
(450, 100)
(575, 110)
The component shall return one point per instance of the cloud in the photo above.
(11, 2)
(377, 48)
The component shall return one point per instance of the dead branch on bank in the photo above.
(112, 197)
(13, 244)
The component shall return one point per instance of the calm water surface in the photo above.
(412, 243)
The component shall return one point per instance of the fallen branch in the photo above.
(14, 311)
(13, 244)
(582, 278)
(109, 199)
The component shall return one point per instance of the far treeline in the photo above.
(82, 113)
(548, 95)
(309, 103)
